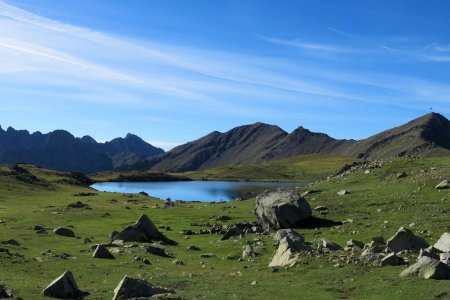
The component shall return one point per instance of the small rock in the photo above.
(64, 232)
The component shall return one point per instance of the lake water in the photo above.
(204, 191)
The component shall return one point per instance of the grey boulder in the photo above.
(143, 231)
(405, 239)
(63, 287)
(62, 231)
(102, 252)
(443, 244)
(281, 209)
(427, 268)
(131, 288)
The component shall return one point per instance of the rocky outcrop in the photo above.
(281, 209)
(443, 244)
(102, 252)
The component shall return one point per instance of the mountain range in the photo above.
(428, 135)
(60, 150)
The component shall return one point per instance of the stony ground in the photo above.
(378, 204)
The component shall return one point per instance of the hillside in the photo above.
(378, 205)
(60, 150)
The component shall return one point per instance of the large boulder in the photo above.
(443, 244)
(63, 287)
(130, 288)
(428, 268)
(143, 231)
(442, 185)
(281, 209)
(405, 239)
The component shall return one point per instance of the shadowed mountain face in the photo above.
(60, 150)
(426, 136)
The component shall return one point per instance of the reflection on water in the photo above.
(204, 191)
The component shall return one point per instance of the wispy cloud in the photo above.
(312, 46)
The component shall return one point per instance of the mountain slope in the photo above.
(60, 150)
(428, 135)
(241, 145)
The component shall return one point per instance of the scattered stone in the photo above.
(445, 258)
(178, 262)
(113, 234)
(142, 259)
(401, 175)
(405, 239)
(248, 252)
(442, 185)
(327, 244)
(5, 292)
(130, 288)
(78, 204)
(102, 252)
(193, 248)
(443, 244)
(343, 192)
(320, 208)
(207, 255)
(391, 260)
(286, 255)
(430, 252)
(232, 232)
(355, 244)
(253, 282)
(142, 231)
(281, 209)
(62, 231)
(294, 238)
(428, 268)
(10, 242)
(83, 194)
(63, 287)
(223, 218)
(156, 250)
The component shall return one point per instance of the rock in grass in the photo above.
(207, 255)
(5, 292)
(355, 244)
(442, 185)
(156, 250)
(343, 192)
(401, 175)
(63, 287)
(327, 244)
(281, 209)
(391, 260)
(143, 231)
(102, 252)
(248, 252)
(428, 268)
(131, 288)
(443, 244)
(62, 231)
(232, 232)
(293, 237)
(445, 258)
(405, 239)
(286, 255)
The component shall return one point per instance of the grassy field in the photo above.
(305, 168)
(378, 205)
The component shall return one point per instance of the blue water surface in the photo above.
(203, 191)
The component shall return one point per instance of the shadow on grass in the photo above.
(314, 222)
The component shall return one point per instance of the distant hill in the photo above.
(428, 135)
(60, 150)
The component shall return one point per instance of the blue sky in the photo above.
(172, 71)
